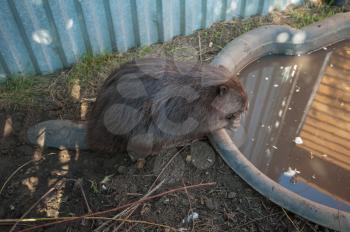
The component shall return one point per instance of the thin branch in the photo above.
(190, 211)
(84, 196)
(14, 173)
(132, 209)
(200, 47)
(70, 219)
(17, 170)
(295, 226)
(32, 207)
(165, 166)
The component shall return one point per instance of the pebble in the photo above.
(122, 170)
(211, 204)
(203, 155)
(298, 140)
(231, 195)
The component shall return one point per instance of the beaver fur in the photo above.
(153, 104)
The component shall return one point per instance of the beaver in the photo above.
(149, 105)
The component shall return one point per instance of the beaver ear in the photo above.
(222, 90)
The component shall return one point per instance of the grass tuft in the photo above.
(303, 16)
(22, 91)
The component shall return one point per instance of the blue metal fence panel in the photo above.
(42, 36)
(171, 18)
(193, 16)
(2, 73)
(38, 32)
(148, 21)
(252, 7)
(233, 9)
(123, 27)
(95, 21)
(66, 22)
(216, 11)
(14, 56)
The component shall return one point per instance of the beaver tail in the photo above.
(59, 134)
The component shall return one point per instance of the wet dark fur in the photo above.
(212, 94)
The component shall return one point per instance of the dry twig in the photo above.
(295, 226)
(17, 170)
(32, 207)
(151, 189)
(70, 219)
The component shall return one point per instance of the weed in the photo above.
(19, 91)
(303, 16)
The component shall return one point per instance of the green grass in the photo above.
(22, 91)
(302, 17)
(89, 66)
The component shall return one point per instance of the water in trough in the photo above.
(297, 128)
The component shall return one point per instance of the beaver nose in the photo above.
(230, 116)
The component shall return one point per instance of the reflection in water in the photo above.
(297, 129)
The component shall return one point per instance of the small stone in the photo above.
(166, 201)
(211, 204)
(122, 170)
(231, 195)
(190, 218)
(298, 140)
(203, 155)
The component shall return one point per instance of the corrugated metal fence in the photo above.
(42, 36)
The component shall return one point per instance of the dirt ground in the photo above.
(53, 183)
(62, 178)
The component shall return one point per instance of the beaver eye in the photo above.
(230, 116)
(222, 90)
